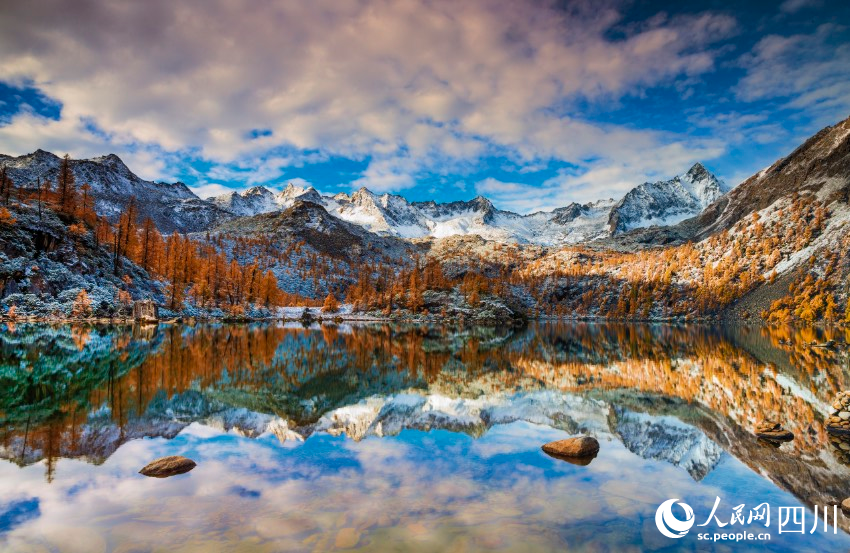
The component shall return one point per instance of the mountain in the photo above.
(820, 168)
(260, 199)
(250, 202)
(668, 202)
(311, 224)
(663, 202)
(173, 207)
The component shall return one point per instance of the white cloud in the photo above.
(210, 189)
(417, 86)
(793, 6)
(603, 178)
(806, 71)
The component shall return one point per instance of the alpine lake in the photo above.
(409, 438)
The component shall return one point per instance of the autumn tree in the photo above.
(126, 237)
(43, 191)
(175, 257)
(81, 307)
(102, 231)
(330, 305)
(6, 218)
(150, 244)
(415, 299)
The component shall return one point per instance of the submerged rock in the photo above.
(773, 431)
(580, 447)
(168, 466)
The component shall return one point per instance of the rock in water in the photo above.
(838, 422)
(168, 466)
(776, 435)
(582, 446)
(768, 426)
(773, 431)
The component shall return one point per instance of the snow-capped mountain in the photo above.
(176, 207)
(171, 206)
(666, 202)
(250, 202)
(260, 199)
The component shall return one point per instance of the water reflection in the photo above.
(666, 399)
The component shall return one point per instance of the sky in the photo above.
(534, 104)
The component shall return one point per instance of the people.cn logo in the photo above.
(667, 522)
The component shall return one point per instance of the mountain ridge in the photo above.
(172, 207)
(391, 214)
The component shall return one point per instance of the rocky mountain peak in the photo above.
(362, 195)
(112, 162)
(258, 191)
(666, 202)
(564, 215)
(41, 154)
(482, 203)
(698, 172)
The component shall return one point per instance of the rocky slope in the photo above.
(171, 206)
(43, 266)
(820, 167)
(311, 224)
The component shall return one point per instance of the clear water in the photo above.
(411, 439)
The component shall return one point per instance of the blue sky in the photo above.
(532, 103)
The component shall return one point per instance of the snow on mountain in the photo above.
(387, 416)
(292, 193)
(171, 206)
(666, 202)
(393, 215)
(260, 199)
(250, 202)
(660, 203)
(175, 207)
(666, 438)
(386, 214)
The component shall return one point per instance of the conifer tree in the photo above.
(66, 188)
(330, 305)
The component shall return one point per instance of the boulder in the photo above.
(773, 431)
(838, 423)
(168, 466)
(840, 443)
(845, 507)
(776, 435)
(582, 446)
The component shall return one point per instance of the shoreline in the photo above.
(367, 318)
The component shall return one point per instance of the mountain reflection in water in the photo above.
(665, 398)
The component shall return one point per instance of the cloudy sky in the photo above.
(531, 103)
